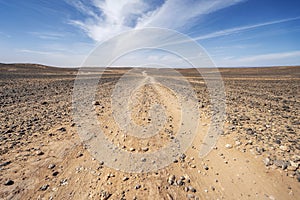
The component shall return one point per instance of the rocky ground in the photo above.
(256, 157)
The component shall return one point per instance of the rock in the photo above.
(132, 149)
(182, 157)
(206, 167)
(51, 166)
(213, 188)
(271, 197)
(55, 173)
(277, 141)
(5, 164)
(283, 148)
(228, 146)
(104, 195)
(9, 182)
(294, 164)
(190, 196)
(171, 179)
(145, 149)
(64, 182)
(249, 131)
(281, 163)
(192, 189)
(39, 153)
(62, 129)
(44, 103)
(180, 182)
(186, 189)
(238, 143)
(249, 142)
(291, 168)
(96, 103)
(79, 154)
(298, 177)
(137, 187)
(125, 178)
(267, 161)
(44, 187)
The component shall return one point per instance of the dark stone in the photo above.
(9, 182)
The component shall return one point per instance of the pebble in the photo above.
(182, 157)
(206, 167)
(55, 173)
(267, 161)
(190, 196)
(238, 143)
(228, 146)
(96, 103)
(283, 148)
(171, 179)
(64, 182)
(44, 187)
(137, 187)
(39, 153)
(145, 149)
(51, 166)
(180, 182)
(192, 189)
(281, 163)
(9, 182)
(104, 195)
(125, 178)
(101, 163)
(5, 164)
(79, 154)
(291, 168)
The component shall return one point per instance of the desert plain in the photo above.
(256, 156)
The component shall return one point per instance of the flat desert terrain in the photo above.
(256, 156)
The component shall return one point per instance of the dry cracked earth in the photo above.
(257, 156)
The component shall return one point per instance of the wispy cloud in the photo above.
(48, 35)
(242, 28)
(106, 18)
(36, 52)
(176, 14)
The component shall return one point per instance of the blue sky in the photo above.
(233, 32)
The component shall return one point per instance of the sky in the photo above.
(234, 33)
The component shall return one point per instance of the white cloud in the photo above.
(175, 14)
(107, 18)
(242, 28)
(48, 35)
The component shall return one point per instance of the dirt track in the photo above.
(257, 156)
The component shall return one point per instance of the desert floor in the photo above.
(256, 156)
